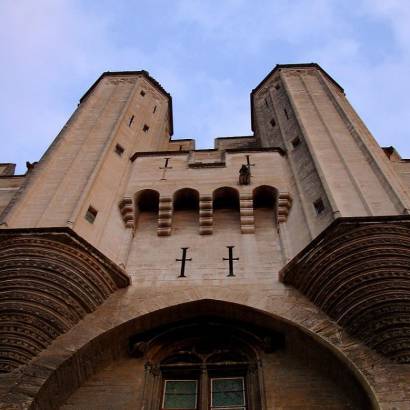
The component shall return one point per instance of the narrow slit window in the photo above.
(286, 113)
(119, 149)
(155, 109)
(273, 122)
(142, 93)
(295, 142)
(91, 214)
(131, 121)
(145, 128)
(266, 102)
(319, 206)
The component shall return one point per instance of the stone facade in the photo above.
(129, 260)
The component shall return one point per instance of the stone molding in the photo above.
(358, 272)
(126, 208)
(49, 280)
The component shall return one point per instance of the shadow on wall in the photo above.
(147, 205)
(226, 209)
(264, 207)
(186, 210)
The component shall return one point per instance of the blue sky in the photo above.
(208, 54)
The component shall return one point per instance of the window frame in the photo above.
(197, 393)
(243, 406)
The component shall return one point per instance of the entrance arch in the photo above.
(113, 348)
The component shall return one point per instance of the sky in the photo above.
(207, 54)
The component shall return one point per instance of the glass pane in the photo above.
(180, 394)
(228, 392)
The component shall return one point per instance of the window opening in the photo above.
(91, 214)
(180, 394)
(155, 109)
(319, 206)
(228, 393)
(142, 93)
(119, 149)
(295, 142)
(277, 87)
(131, 121)
(272, 122)
(145, 128)
(286, 113)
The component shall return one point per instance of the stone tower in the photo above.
(271, 271)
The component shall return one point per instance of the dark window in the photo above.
(319, 206)
(155, 109)
(91, 214)
(273, 122)
(142, 93)
(266, 102)
(286, 113)
(277, 86)
(145, 128)
(295, 142)
(180, 394)
(228, 393)
(119, 149)
(131, 121)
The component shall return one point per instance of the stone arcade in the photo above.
(271, 272)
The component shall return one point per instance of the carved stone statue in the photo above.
(244, 175)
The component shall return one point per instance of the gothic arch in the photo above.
(111, 344)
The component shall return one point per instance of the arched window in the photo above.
(204, 365)
(147, 203)
(264, 203)
(226, 208)
(186, 209)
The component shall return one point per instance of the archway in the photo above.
(186, 210)
(147, 204)
(226, 209)
(264, 204)
(296, 366)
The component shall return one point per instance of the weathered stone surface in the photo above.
(114, 196)
(49, 280)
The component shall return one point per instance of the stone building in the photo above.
(271, 272)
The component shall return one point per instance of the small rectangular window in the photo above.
(273, 122)
(91, 214)
(319, 206)
(145, 128)
(266, 102)
(131, 121)
(277, 86)
(155, 109)
(142, 93)
(180, 394)
(119, 149)
(286, 113)
(295, 142)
